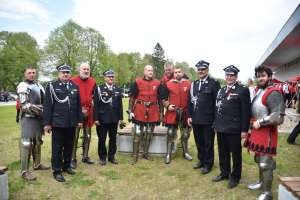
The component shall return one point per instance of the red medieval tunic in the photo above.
(178, 92)
(146, 108)
(86, 88)
(263, 141)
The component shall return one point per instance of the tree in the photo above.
(189, 71)
(94, 48)
(158, 57)
(17, 51)
(73, 44)
(129, 67)
(65, 45)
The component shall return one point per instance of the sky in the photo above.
(221, 32)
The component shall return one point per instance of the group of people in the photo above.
(71, 104)
(66, 107)
(290, 93)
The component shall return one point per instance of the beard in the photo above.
(84, 76)
(263, 85)
(178, 78)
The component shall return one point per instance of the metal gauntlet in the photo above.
(275, 118)
(28, 108)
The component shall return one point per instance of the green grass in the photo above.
(146, 180)
(80, 180)
(111, 175)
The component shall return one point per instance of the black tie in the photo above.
(201, 85)
(66, 85)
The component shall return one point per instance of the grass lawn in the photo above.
(146, 180)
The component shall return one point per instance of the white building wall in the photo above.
(284, 73)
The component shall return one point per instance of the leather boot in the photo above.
(28, 176)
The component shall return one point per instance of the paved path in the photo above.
(8, 103)
(291, 119)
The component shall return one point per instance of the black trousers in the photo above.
(204, 138)
(62, 145)
(294, 134)
(102, 131)
(229, 146)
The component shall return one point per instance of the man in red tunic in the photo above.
(267, 113)
(86, 86)
(144, 111)
(174, 95)
(169, 72)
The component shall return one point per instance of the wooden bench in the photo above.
(289, 188)
(157, 146)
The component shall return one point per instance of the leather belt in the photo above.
(145, 103)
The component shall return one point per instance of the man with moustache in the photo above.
(232, 119)
(174, 95)
(143, 110)
(86, 86)
(62, 114)
(202, 100)
(267, 113)
(108, 113)
(30, 98)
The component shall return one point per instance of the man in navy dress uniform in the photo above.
(108, 113)
(62, 114)
(232, 121)
(202, 100)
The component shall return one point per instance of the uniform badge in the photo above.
(74, 91)
(229, 96)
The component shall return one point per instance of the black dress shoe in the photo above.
(87, 160)
(102, 162)
(205, 170)
(69, 171)
(113, 161)
(219, 178)
(59, 177)
(198, 165)
(146, 157)
(232, 184)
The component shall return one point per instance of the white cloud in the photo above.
(221, 32)
(22, 9)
